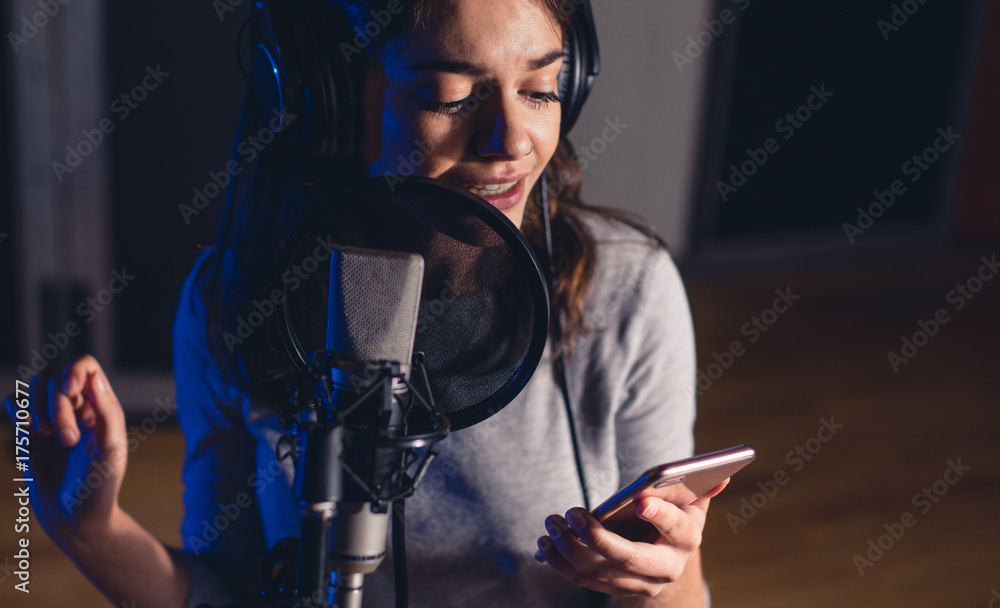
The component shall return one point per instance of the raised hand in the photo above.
(78, 449)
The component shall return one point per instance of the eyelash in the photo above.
(536, 101)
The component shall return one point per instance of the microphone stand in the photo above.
(357, 431)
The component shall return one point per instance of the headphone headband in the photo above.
(299, 74)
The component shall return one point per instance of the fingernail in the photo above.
(67, 437)
(575, 520)
(544, 544)
(647, 511)
(553, 529)
(102, 386)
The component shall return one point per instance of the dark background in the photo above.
(889, 99)
(826, 358)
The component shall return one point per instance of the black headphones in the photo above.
(305, 84)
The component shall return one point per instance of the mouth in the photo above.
(491, 189)
(502, 193)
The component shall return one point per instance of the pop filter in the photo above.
(484, 310)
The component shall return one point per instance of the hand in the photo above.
(589, 555)
(78, 449)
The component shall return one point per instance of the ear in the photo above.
(372, 106)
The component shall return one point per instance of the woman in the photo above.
(470, 537)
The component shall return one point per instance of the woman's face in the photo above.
(471, 100)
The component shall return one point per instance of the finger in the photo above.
(77, 374)
(698, 510)
(108, 417)
(679, 528)
(613, 559)
(551, 555)
(62, 415)
(717, 489)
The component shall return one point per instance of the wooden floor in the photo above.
(824, 359)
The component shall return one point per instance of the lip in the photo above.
(501, 201)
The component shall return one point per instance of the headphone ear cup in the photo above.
(299, 73)
(334, 103)
(581, 64)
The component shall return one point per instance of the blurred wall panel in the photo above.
(60, 175)
(175, 95)
(819, 112)
(638, 135)
(8, 264)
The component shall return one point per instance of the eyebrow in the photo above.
(470, 69)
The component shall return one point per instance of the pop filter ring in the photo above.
(391, 186)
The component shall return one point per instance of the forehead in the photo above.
(492, 33)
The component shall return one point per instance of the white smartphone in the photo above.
(681, 483)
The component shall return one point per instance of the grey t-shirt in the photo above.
(472, 525)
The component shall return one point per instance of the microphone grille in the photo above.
(374, 301)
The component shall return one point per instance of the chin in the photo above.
(516, 216)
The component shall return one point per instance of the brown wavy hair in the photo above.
(267, 202)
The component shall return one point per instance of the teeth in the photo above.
(491, 189)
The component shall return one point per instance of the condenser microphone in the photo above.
(372, 315)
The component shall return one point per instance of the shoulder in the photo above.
(633, 274)
(201, 385)
(191, 310)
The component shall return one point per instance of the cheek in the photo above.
(415, 143)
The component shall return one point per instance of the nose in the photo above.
(503, 133)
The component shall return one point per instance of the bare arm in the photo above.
(79, 448)
(128, 565)
(687, 592)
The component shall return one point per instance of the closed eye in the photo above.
(534, 100)
(444, 108)
(537, 101)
